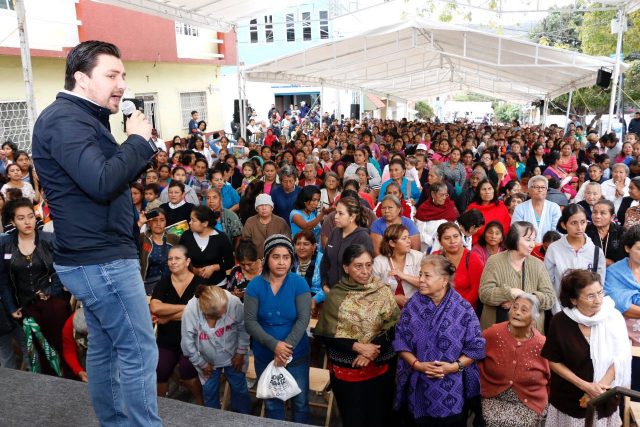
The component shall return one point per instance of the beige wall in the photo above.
(166, 80)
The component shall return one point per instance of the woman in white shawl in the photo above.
(588, 350)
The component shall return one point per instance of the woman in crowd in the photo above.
(176, 209)
(350, 229)
(306, 263)
(623, 286)
(360, 158)
(29, 286)
(438, 206)
(512, 272)
(567, 161)
(264, 223)
(592, 195)
(228, 222)
(493, 209)
(393, 189)
(396, 174)
(155, 244)
(469, 189)
(491, 241)
(277, 311)
(428, 371)
(269, 176)
(398, 264)
(553, 170)
(616, 188)
(538, 211)
(536, 157)
(249, 266)
(605, 233)
(513, 375)
(629, 212)
(588, 350)
(14, 173)
(305, 215)
(230, 197)
(137, 196)
(391, 209)
(201, 148)
(215, 341)
(247, 204)
(468, 266)
(10, 149)
(515, 169)
(454, 169)
(331, 191)
(164, 176)
(28, 173)
(574, 249)
(210, 251)
(168, 301)
(357, 327)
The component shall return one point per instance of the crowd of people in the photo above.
(456, 270)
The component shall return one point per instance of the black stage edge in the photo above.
(28, 399)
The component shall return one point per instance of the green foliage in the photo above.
(424, 110)
(473, 97)
(596, 38)
(558, 29)
(506, 112)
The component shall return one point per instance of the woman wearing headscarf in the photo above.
(589, 351)
(357, 326)
(438, 340)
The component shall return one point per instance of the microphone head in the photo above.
(128, 108)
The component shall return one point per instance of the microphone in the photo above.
(128, 108)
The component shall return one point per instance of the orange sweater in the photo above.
(518, 365)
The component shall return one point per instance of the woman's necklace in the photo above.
(604, 243)
(529, 334)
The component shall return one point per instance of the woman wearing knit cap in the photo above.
(264, 223)
(277, 308)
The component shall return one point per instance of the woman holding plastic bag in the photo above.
(277, 308)
(357, 327)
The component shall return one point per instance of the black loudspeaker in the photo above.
(603, 79)
(541, 106)
(139, 103)
(355, 111)
(236, 110)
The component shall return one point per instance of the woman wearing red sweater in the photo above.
(468, 265)
(513, 375)
(486, 201)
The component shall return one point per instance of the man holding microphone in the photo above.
(86, 177)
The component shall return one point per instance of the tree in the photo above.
(424, 110)
(506, 112)
(558, 29)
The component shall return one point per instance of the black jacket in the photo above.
(15, 295)
(86, 176)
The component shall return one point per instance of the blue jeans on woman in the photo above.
(240, 400)
(274, 408)
(122, 354)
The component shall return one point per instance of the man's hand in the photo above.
(137, 124)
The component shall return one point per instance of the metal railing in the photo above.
(615, 391)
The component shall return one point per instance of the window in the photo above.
(253, 30)
(184, 29)
(6, 4)
(268, 28)
(14, 123)
(324, 24)
(291, 28)
(190, 101)
(306, 26)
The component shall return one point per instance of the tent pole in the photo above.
(361, 105)
(569, 104)
(545, 111)
(241, 109)
(27, 73)
(616, 70)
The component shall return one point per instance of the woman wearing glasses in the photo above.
(588, 350)
(543, 214)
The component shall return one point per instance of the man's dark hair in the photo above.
(193, 112)
(84, 57)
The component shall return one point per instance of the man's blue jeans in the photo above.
(122, 354)
(240, 400)
(274, 408)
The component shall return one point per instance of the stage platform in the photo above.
(34, 400)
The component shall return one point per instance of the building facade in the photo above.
(173, 68)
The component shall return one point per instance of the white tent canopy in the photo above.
(218, 15)
(420, 59)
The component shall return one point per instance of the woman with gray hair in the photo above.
(616, 188)
(542, 213)
(469, 189)
(513, 375)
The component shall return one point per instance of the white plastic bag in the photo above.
(276, 383)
